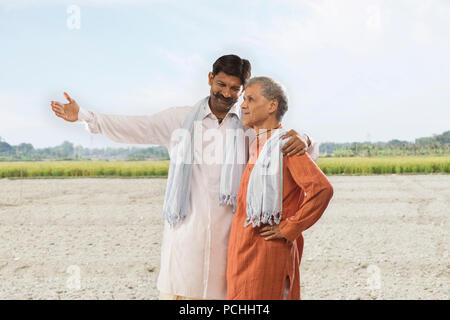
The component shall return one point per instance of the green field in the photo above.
(330, 166)
(74, 169)
(385, 165)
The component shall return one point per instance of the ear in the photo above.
(273, 106)
(210, 78)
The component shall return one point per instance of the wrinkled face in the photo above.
(225, 91)
(256, 108)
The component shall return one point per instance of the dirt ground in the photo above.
(382, 237)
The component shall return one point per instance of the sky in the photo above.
(354, 70)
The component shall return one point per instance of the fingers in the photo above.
(287, 145)
(295, 145)
(271, 233)
(266, 233)
(273, 237)
(68, 97)
(289, 149)
(308, 140)
(295, 148)
(59, 114)
(57, 109)
(293, 142)
(58, 106)
(297, 151)
(301, 152)
(289, 134)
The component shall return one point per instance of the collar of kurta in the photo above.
(264, 137)
(206, 110)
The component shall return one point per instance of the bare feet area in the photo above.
(382, 237)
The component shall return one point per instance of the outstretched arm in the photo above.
(153, 129)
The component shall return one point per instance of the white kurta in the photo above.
(194, 252)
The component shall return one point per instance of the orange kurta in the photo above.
(258, 268)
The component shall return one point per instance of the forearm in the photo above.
(153, 129)
(318, 191)
(307, 215)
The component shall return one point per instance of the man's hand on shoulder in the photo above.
(296, 145)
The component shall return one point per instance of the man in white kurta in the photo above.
(194, 252)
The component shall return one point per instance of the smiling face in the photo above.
(256, 109)
(225, 91)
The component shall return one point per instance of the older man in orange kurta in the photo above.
(263, 262)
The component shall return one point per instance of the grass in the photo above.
(134, 169)
(74, 169)
(385, 165)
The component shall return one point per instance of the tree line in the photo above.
(435, 145)
(67, 151)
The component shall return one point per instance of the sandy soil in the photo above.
(382, 237)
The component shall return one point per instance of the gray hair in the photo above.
(272, 90)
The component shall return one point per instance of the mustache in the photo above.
(218, 95)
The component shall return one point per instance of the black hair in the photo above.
(233, 65)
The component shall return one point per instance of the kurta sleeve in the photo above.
(147, 129)
(308, 176)
(313, 148)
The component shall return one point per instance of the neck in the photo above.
(267, 125)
